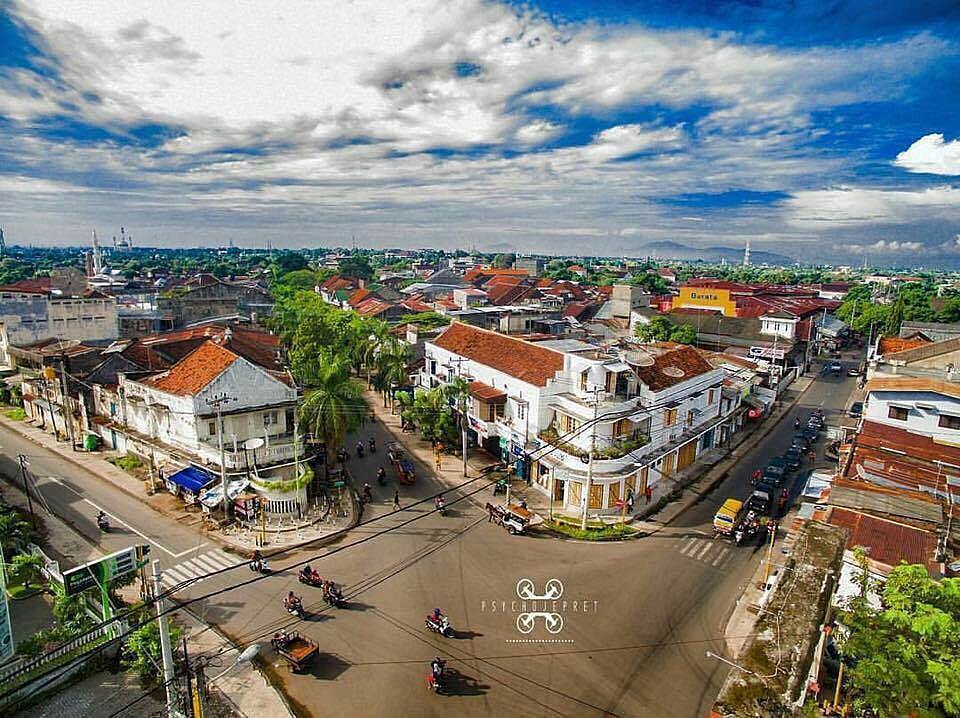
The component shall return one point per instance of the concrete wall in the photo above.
(924, 410)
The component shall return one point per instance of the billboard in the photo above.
(6, 626)
(96, 573)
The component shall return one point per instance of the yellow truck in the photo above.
(727, 517)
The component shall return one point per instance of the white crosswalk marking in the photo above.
(193, 568)
(706, 550)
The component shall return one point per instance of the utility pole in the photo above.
(67, 410)
(462, 401)
(217, 403)
(26, 489)
(296, 464)
(593, 446)
(166, 651)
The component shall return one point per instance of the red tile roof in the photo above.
(372, 307)
(525, 361)
(254, 345)
(889, 542)
(672, 367)
(30, 286)
(487, 393)
(194, 372)
(415, 305)
(892, 345)
(358, 296)
(480, 274)
(914, 384)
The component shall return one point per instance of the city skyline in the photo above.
(543, 128)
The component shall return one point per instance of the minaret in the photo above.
(97, 259)
(746, 254)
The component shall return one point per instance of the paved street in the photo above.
(637, 616)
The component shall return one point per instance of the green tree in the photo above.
(904, 657)
(15, 533)
(357, 267)
(143, 654)
(895, 317)
(429, 410)
(504, 261)
(658, 329)
(333, 403)
(392, 367)
(289, 262)
(683, 334)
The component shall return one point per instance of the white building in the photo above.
(921, 406)
(657, 409)
(171, 416)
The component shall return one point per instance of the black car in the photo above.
(801, 441)
(856, 409)
(811, 435)
(793, 459)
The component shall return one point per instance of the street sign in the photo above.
(619, 503)
(98, 573)
(338, 484)
(6, 627)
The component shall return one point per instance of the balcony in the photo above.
(616, 449)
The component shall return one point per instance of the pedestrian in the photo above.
(396, 499)
(647, 493)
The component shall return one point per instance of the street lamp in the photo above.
(247, 655)
(711, 654)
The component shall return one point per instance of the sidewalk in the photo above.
(100, 695)
(284, 533)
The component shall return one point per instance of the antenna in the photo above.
(3, 244)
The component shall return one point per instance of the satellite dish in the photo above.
(673, 371)
(253, 444)
(639, 358)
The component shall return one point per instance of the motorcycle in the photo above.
(441, 507)
(796, 424)
(500, 487)
(103, 524)
(295, 608)
(435, 680)
(381, 476)
(373, 446)
(259, 566)
(334, 596)
(367, 494)
(359, 449)
(314, 579)
(441, 626)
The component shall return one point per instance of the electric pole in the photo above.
(593, 446)
(217, 403)
(166, 651)
(67, 410)
(26, 489)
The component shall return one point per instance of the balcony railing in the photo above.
(615, 450)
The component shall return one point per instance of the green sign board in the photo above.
(6, 627)
(338, 484)
(98, 573)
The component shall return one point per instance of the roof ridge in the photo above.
(499, 334)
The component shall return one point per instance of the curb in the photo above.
(143, 499)
(756, 439)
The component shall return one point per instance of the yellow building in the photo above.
(712, 298)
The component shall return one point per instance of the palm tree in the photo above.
(333, 403)
(392, 361)
(26, 566)
(14, 532)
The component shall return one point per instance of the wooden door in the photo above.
(596, 496)
(686, 454)
(666, 468)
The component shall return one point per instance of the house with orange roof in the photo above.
(533, 403)
(180, 415)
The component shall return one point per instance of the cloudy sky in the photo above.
(822, 130)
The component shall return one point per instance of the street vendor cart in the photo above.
(514, 518)
(401, 463)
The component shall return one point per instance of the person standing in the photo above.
(396, 499)
(648, 493)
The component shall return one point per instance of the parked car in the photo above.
(810, 434)
(793, 459)
(856, 409)
(836, 368)
(801, 441)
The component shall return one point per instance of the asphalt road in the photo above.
(637, 617)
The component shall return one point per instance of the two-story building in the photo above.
(562, 409)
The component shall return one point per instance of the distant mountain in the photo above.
(668, 249)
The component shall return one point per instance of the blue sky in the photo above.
(820, 130)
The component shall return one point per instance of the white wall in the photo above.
(924, 409)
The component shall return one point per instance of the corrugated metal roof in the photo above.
(894, 504)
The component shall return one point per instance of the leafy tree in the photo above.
(430, 411)
(895, 317)
(143, 655)
(425, 320)
(333, 403)
(683, 334)
(357, 267)
(651, 281)
(950, 312)
(299, 280)
(504, 261)
(904, 657)
(15, 533)
(69, 613)
(289, 262)
(658, 329)
(392, 367)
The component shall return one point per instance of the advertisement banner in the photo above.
(6, 626)
(97, 573)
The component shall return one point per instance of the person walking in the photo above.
(396, 499)
(648, 493)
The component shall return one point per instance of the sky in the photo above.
(826, 131)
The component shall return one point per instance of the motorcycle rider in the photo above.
(256, 560)
(381, 476)
(308, 573)
(292, 602)
(367, 493)
(373, 445)
(102, 521)
(359, 448)
(796, 423)
(439, 503)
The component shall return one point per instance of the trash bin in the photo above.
(91, 442)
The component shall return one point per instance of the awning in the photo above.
(192, 479)
(214, 495)
(616, 367)
(753, 401)
(487, 393)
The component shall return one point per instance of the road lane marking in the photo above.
(703, 552)
(190, 550)
(120, 521)
(722, 556)
(687, 545)
(691, 549)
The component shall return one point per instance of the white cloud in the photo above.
(851, 207)
(882, 246)
(932, 155)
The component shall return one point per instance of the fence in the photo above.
(26, 666)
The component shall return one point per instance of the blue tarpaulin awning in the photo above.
(191, 479)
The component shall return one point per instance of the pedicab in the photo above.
(514, 518)
(401, 463)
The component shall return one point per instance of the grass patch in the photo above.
(129, 462)
(17, 591)
(595, 531)
(17, 414)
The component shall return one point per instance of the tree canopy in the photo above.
(661, 329)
